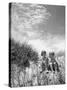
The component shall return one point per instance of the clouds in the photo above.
(26, 20)
(50, 43)
(26, 17)
(29, 14)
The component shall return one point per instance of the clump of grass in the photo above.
(22, 54)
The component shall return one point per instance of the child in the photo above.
(53, 62)
(45, 62)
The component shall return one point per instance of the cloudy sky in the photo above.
(41, 26)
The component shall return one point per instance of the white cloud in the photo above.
(52, 43)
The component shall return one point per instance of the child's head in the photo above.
(43, 53)
(51, 54)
